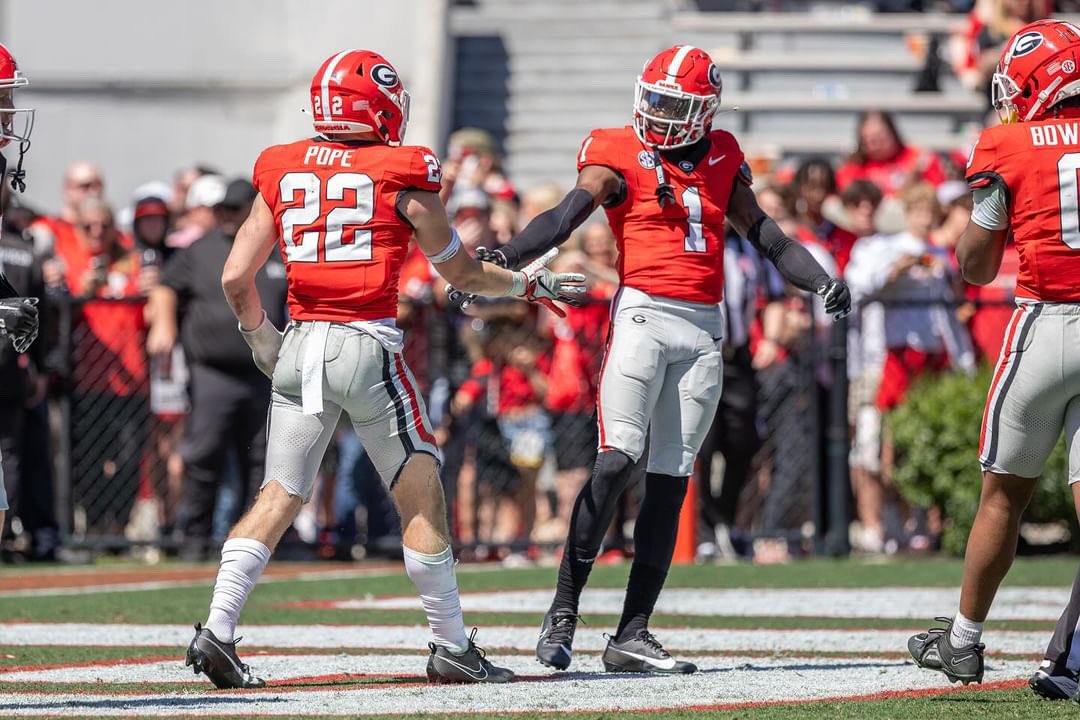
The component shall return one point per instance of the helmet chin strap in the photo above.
(18, 176)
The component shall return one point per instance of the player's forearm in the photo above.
(467, 274)
(549, 229)
(244, 300)
(793, 261)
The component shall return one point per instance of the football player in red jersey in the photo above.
(18, 315)
(343, 206)
(667, 183)
(1023, 176)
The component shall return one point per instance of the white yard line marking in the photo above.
(409, 637)
(1025, 603)
(723, 681)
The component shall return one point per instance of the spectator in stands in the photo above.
(470, 214)
(182, 180)
(917, 330)
(538, 199)
(22, 391)
(150, 227)
(815, 182)
(229, 395)
(473, 161)
(198, 218)
(109, 396)
(82, 182)
(977, 47)
(882, 157)
(508, 385)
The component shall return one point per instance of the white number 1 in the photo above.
(1067, 199)
(695, 240)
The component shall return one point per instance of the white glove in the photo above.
(536, 283)
(265, 342)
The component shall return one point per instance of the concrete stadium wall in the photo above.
(144, 88)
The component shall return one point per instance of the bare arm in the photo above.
(979, 251)
(251, 249)
(161, 317)
(428, 217)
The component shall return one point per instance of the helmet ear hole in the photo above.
(1027, 91)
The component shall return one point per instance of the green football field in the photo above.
(813, 639)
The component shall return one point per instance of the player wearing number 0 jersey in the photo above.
(667, 184)
(343, 206)
(1023, 175)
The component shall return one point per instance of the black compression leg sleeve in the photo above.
(654, 543)
(593, 510)
(1064, 638)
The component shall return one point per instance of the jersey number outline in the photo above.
(1068, 165)
(293, 219)
(694, 241)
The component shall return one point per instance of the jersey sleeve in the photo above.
(418, 169)
(982, 167)
(600, 148)
(261, 176)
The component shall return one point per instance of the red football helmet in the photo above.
(678, 93)
(1039, 68)
(10, 78)
(359, 91)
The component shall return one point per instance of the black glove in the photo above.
(837, 298)
(19, 321)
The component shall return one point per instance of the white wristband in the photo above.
(452, 249)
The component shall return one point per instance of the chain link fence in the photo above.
(511, 394)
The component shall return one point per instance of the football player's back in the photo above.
(342, 237)
(1038, 163)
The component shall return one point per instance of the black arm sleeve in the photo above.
(548, 229)
(793, 261)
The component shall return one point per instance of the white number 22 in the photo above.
(302, 245)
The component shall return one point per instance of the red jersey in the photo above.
(1038, 164)
(676, 251)
(335, 206)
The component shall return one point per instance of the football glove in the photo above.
(837, 298)
(265, 342)
(536, 283)
(19, 321)
(463, 299)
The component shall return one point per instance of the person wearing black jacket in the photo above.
(229, 395)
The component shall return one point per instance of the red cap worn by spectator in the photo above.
(151, 207)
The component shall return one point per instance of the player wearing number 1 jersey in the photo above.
(1024, 180)
(667, 184)
(343, 206)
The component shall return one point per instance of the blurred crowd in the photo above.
(141, 414)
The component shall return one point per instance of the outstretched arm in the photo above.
(793, 261)
(596, 185)
(443, 248)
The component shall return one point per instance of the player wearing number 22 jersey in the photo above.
(1024, 182)
(667, 184)
(343, 206)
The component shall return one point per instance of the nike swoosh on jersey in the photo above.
(476, 673)
(667, 664)
(718, 158)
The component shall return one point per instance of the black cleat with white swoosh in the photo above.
(219, 662)
(933, 650)
(471, 666)
(643, 653)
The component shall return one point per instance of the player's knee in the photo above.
(612, 471)
(417, 490)
(666, 491)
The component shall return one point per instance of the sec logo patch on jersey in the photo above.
(646, 160)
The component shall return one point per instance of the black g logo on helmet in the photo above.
(384, 75)
(1026, 43)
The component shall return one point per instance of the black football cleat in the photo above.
(932, 650)
(1053, 683)
(471, 666)
(643, 653)
(555, 646)
(218, 661)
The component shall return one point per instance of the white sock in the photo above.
(434, 578)
(965, 633)
(242, 562)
